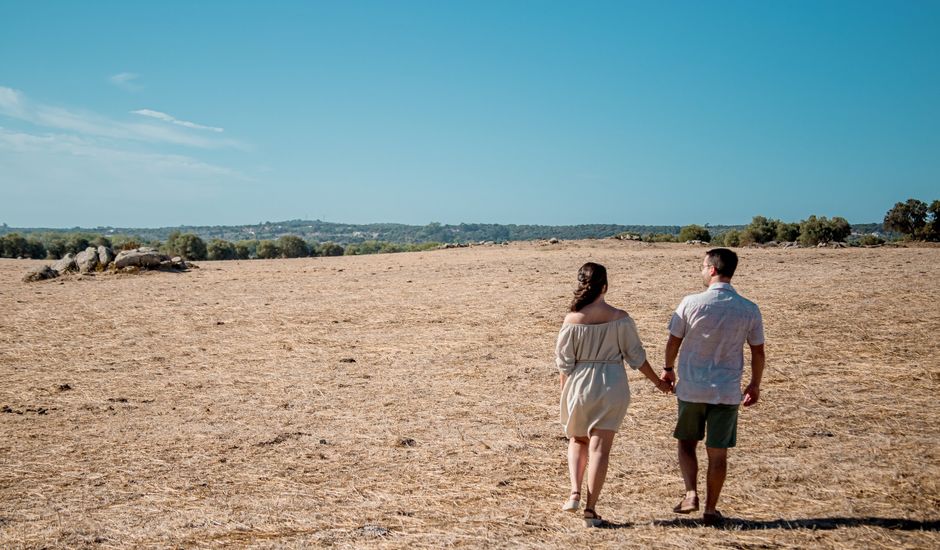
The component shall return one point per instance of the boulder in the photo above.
(139, 257)
(66, 264)
(40, 273)
(553, 240)
(105, 256)
(87, 260)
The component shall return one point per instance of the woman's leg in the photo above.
(577, 461)
(599, 449)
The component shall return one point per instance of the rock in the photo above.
(553, 240)
(139, 257)
(66, 264)
(105, 256)
(39, 274)
(696, 242)
(372, 531)
(87, 260)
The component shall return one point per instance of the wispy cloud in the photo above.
(126, 81)
(173, 120)
(15, 104)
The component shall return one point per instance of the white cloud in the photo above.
(14, 104)
(126, 81)
(173, 120)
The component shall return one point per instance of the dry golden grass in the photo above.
(214, 408)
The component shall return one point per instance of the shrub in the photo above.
(760, 230)
(292, 247)
(329, 249)
(870, 240)
(125, 242)
(732, 237)
(659, 238)
(186, 245)
(245, 249)
(815, 230)
(219, 249)
(267, 250)
(694, 233)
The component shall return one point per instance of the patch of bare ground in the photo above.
(410, 400)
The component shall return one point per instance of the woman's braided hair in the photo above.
(592, 278)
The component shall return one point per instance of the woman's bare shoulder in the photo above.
(574, 318)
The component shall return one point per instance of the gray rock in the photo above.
(40, 273)
(139, 257)
(87, 260)
(553, 240)
(66, 264)
(105, 256)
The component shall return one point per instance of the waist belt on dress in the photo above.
(601, 362)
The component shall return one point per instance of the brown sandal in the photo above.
(687, 505)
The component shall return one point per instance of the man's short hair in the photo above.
(723, 260)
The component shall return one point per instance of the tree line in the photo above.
(910, 220)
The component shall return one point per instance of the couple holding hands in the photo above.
(709, 329)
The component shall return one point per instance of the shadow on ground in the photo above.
(737, 524)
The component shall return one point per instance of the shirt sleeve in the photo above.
(755, 336)
(630, 345)
(678, 323)
(564, 351)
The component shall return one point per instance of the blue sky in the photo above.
(169, 113)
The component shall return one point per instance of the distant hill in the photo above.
(343, 233)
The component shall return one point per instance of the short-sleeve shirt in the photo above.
(714, 325)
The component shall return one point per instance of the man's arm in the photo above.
(758, 359)
(672, 351)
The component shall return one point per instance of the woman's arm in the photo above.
(662, 385)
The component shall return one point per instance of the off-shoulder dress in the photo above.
(596, 393)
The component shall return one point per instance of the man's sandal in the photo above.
(687, 505)
(713, 519)
(591, 519)
(573, 503)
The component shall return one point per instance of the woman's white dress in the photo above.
(596, 394)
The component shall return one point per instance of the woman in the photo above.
(595, 339)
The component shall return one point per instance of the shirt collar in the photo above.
(721, 286)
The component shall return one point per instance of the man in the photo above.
(711, 328)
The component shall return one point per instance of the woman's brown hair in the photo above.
(592, 278)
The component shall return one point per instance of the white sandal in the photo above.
(573, 504)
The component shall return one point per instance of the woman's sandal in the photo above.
(687, 505)
(594, 520)
(713, 519)
(573, 503)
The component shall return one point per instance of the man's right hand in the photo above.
(751, 394)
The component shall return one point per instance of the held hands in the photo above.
(665, 383)
(751, 394)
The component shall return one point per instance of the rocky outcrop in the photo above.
(65, 265)
(139, 257)
(39, 274)
(105, 256)
(87, 260)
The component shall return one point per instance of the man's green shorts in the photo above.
(720, 420)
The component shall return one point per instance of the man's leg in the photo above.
(717, 470)
(688, 464)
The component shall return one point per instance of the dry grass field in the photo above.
(410, 400)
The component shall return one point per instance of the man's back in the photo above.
(714, 326)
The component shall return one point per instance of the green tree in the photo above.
(219, 249)
(292, 247)
(760, 230)
(815, 230)
(932, 230)
(908, 218)
(786, 232)
(694, 233)
(267, 250)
